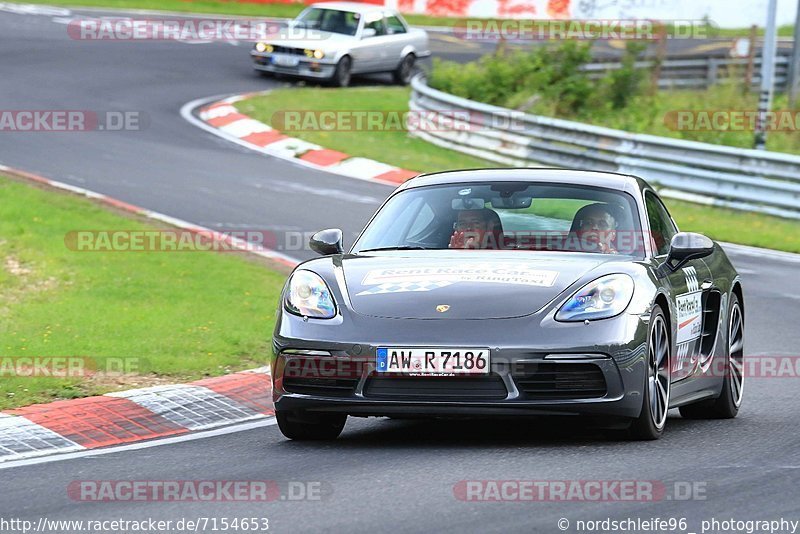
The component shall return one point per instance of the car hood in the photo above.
(459, 288)
(322, 40)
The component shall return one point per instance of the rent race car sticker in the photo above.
(689, 308)
(396, 280)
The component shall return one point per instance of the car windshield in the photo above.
(507, 216)
(329, 20)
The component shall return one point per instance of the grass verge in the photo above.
(397, 148)
(656, 115)
(171, 317)
(392, 146)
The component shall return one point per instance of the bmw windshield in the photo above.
(329, 20)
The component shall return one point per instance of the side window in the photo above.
(661, 226)
(377, 25)
(394, 25)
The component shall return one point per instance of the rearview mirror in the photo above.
(687, 246)
(368, 32)
(468, 203)
(515, 202)
(327, 242)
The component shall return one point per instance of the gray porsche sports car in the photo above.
(511, 292)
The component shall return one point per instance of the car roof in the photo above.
(352, 6)
(608, 180)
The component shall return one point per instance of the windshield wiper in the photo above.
(398, 247)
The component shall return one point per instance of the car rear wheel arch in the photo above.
(407, 62)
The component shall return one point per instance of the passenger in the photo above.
(596, 228)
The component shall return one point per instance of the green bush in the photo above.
(547, 80)
(623, 84)
(509, 80)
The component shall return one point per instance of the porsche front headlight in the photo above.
(603, 298)
(309, 296)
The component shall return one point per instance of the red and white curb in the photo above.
(220, 117)
(135, 415)
(141, 414)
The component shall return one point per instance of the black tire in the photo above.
(405, 70)
(342, 76)
(304, 426)
(726, 406)
(656, 391)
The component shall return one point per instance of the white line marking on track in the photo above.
(267, 421)
(34, 9)
(761, 252)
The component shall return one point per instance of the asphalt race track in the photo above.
(381, 475)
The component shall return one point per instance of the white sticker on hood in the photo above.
(480, 273)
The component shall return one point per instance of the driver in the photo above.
(475, 229)
(596, 227)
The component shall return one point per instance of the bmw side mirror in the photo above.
(687, 246)
(327, 242)
(368, 32)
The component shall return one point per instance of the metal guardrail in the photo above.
(744, 179)
(701, 72)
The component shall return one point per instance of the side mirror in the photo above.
(687, 246)
(368, 32)
(327, 242)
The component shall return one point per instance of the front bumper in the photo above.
(603, 379)
(306, 68)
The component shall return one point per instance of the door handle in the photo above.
(706, 284)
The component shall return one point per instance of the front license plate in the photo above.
(434, 362)
(285, 61)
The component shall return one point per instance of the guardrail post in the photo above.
(712, 72)
(793, 79)
(661, 54)
(767, 75)
(751, 58)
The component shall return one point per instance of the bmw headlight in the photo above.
(603, 298)
(308, 295)
(263, 47)
(319, 54)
